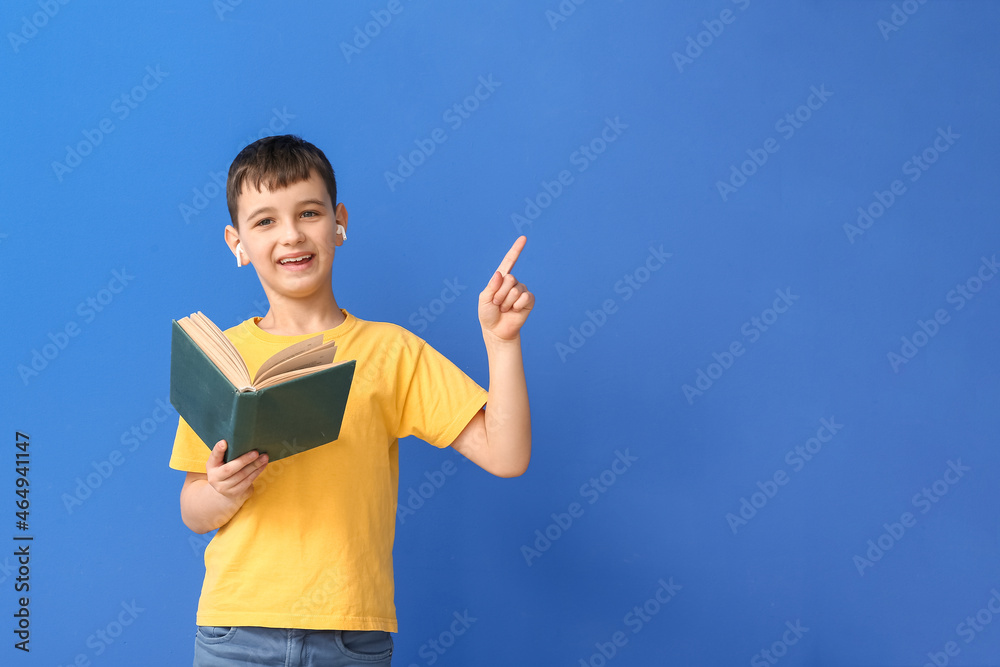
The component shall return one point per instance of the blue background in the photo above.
(693, 89)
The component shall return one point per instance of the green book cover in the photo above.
(279, 420)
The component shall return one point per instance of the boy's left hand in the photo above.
(505, 303)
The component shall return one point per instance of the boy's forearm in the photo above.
(203, 509)
(508, 416)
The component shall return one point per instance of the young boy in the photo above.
(300, 571)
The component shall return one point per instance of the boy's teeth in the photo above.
(297, 259)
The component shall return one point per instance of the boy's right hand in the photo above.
(234, 480)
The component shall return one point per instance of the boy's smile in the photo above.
(290, 236)
(296, 262)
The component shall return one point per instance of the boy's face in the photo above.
(289, 235)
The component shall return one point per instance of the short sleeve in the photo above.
(439, 399)
(190, 452)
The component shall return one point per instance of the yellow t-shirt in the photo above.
(312, 547)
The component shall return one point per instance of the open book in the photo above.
(294, 402)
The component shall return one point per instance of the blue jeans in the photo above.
(281, 647)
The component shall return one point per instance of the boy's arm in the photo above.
(499, 438)
(210, 499)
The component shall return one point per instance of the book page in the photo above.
(289, 352)
(314, 359)
(216, 347)
(230, 360)
(224, 344)
(292, 375)
(310, 361)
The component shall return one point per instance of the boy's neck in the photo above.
(290, 317)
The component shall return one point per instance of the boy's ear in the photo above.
(232, 238)
(340, 216)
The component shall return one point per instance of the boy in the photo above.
(300, 571)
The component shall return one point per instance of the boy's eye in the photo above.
(265, 222)
(310, 214)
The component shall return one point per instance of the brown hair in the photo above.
(277, 162)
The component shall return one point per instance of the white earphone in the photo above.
(342, 231)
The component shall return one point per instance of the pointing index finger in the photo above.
(511, 257)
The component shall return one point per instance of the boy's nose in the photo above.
(292, 233)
